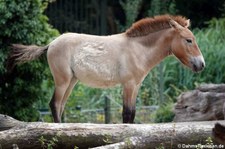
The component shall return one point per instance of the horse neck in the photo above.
(157, 46)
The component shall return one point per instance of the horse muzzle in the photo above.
(197, 63)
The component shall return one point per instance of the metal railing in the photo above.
(106, 114)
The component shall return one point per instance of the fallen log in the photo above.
(70, 135)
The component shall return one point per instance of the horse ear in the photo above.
(188, 23)
(175, 25)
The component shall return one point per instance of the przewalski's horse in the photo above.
(104, 61)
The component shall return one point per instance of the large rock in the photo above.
(202, 104)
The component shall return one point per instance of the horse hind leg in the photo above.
(55, 105)
(62, 75)
(67, 93)
(56, 101)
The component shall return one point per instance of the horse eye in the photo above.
(189, 40)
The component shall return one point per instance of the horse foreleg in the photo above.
(129, 102)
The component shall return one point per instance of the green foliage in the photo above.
(162, 7)
(149, 92)
(209, 141)
(164, 113)
(208, 144)
(48, 143)
(198, 14)
(160, 146)
(22, 22)
(131, 9)
(211, 42)
(84, 97)
(108, 139)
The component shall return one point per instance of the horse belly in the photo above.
(97, 76)
(94, 66)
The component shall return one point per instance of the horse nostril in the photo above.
(203, 65)
(195, 67)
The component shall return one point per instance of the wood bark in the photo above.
(219, 133)
(68, 135)
(205, 103)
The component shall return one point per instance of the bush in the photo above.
(164, 113)
(22, 22)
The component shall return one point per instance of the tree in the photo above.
(22, 22)
(195, 10)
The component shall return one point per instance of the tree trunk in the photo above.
(68, 135)
(205, 103)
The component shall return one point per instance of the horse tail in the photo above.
(23, 53)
